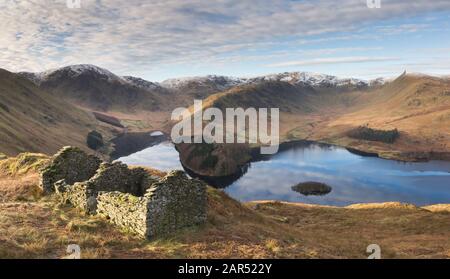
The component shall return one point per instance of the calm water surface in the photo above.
(354, 178)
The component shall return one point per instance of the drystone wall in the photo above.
(169, 204)
(78, 194)
(175, 202)
(118, 177)
(71, 164)
(130, 198)
(124, 210)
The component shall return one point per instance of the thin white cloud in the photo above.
(142, 36)
(333, 60)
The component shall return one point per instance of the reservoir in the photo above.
(354, 178)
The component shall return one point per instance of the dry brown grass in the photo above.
(268, 229)
(36, 227)
(19, 179)
(23, 164)
(402, 231)
(418, 106)
(21, 188)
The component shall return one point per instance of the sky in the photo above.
(160, 39)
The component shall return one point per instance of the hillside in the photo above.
(32, 120)
(36, 227)
(417, 105)
(98, 89)
(312, 106)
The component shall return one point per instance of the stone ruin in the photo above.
(72, 165)
(130, 198)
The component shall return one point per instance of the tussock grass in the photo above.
(44, 229)
(23, 164)
(19, 178)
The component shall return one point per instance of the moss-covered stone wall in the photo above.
(78, 194)
(71, 164)
(118, 177)
(175, 202)
(130, 198)
(124, 210)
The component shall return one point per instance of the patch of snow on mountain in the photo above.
(379, 81)
(35, 78)
(311, 79)
(218, 82)
(141, 83)
(222, 82)
(72, 71)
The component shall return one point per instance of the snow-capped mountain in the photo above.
(213, 82)
(296, 78)
(221, 82)
(72, 71)
(379, 81)
(141, 83)
(99, 89)
(35, 78)
(311, 79)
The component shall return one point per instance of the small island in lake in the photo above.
(312, 188)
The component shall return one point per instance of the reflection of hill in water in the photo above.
(219, 181)
(354, 178)
(225, 181)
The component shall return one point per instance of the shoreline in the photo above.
(437, 207)
(143, 140)
(393, 155)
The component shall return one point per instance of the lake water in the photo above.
(354, 178)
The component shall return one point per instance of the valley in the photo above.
(42, 112)
(176, 132)
(312, 107)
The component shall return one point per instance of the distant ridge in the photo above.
(218, 82)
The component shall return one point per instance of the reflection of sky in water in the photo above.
(162, 157)
(354, 179)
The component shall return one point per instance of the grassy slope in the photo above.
(31, 120)
(43, 229)
(94, 92)
(418, 106)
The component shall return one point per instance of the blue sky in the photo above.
(159, 39)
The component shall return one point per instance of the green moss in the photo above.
(127, 198)
(214, 194)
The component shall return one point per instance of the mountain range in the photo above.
(218, 82)
(42, 111)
